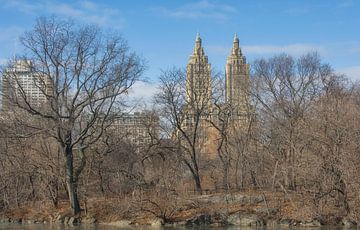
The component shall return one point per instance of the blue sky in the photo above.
(163, 32)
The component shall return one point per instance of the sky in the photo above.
(163, 32)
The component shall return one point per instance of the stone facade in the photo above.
(237, 85)
(201, 114)
(198, 78)
(139, 128)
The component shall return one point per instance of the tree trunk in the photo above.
(71, 185)
(226, 176)
(197, 183)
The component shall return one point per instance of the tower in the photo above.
(237, 82)
(198, 78)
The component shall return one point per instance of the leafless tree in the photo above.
(83, 74)
(187, 111)
(286, 89)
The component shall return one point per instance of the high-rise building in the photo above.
(201, 114)
(198, 78)
(22, 85)
(237, 82)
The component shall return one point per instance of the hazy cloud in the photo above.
(345, 3)
(3, 61)
(86, 11)
(143, 90)
(295, 11)
(352, 72)
(198, 10)
(293, 49)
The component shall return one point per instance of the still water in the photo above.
(107, 227)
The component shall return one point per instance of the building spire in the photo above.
(236, 39)
(236, 48)
(198, 49)
(197, 39)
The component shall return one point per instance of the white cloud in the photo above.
(86, 11)
(197, 10)
(353, 72)
(143, 91)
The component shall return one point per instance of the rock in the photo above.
(66, 220)
(234, 198)
(220, 216)
(244, 220)
(180, 223)
(73, 221)
(157, 222)
(120, 223)
(30, 221)
(4, 220)
(216, 224)
(274, 224)
(203, 219)
(59, 219)
(287, 222)
(348, 223)
(16, 221)
(313, 223)
(89, 220)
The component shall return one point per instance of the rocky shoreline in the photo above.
(212, 210)
(216, 219)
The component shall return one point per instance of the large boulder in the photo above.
(287, 223)
(157, 222)
(348, 223)
(73, 221)
(89, 220)
(244, 220)
(121, 223)
(16, 221)
(312, 223)
(4, 220)
(66, 219)
(203, 219)
(59, 219)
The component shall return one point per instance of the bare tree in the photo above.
(188, 110)
(286, 89)
(83, 73)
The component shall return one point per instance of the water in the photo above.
(107, 227)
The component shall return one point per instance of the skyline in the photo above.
(163, 32)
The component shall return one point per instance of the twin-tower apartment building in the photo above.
(199, 88)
